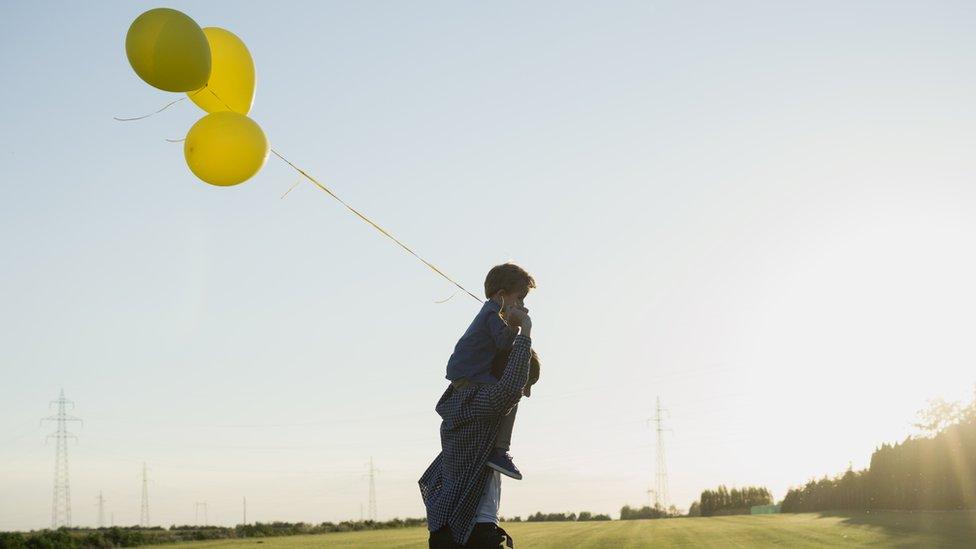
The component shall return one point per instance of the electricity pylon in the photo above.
(196, 512)
(661, 471)
(144, 507)
(61, 505)
(371, 509)
(101, 510)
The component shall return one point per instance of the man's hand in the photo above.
(518, 317)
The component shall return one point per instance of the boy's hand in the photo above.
(518, 317)
(504, 312)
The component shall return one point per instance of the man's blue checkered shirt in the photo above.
(452, 485)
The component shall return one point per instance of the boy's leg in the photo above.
(499, 459)
(503, 439)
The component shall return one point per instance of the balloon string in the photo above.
(359, 214)
(328, 191)
(166, 106)
(292, 188)
(446, 300)
(372, 223)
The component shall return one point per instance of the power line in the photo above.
(144, 507)
(61, 504)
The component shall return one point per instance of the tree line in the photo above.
(116, 536)
(560, 517)
(634, 513)
(737, 501)
(936, 471)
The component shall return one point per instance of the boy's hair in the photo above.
(509, 277)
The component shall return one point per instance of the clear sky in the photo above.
(761, 212)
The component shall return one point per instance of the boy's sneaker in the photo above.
(501, 461)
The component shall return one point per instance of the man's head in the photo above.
(501, 361)
(508, 284)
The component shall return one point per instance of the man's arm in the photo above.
(497, 399)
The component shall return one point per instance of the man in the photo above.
(453, 485)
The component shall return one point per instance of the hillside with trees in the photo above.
(935, 471)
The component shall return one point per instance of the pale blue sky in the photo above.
(761, 212)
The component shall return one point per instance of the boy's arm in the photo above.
(501, 334)
(498, 398)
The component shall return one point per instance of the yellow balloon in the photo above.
(168, 50)
(225, 148)
(231, 74)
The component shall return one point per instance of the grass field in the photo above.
(879, 529)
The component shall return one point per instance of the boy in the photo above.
(505, 287)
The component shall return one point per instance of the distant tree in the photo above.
(516, 518)
(12, 540)
(694, 510)
(939, 415)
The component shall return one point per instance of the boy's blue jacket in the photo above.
(474, 352)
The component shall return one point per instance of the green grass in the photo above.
(878, 529)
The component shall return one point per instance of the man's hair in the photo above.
(509, 277)
(500, 361)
